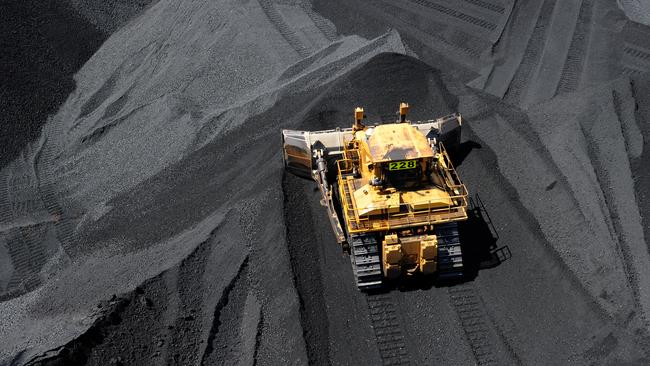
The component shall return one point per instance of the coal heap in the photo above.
(145, 217)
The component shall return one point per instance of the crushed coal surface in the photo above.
(44, 44)
(145, 217)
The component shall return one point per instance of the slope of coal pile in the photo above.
(523, 51)
(640, 171)
(109, 16)
(570, 159)
(457, 36)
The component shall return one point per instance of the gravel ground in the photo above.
(150, 222)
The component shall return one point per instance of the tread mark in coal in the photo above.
(388, 331)
(22, 197)
(285, 30)
(632, 71)
(635, 52)
(431, 32)
(24, 244)
(326, 28)
(572, 70)
(638, 54)
(483, 4)
(5, 204)
(48, 186)
(532, 54)
(456, 14)
(472, 318)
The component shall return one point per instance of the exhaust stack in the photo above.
(358, 117)
(403, 110)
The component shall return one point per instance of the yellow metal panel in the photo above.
(410, 246)
(391, 239)
(425, 199)
(427, 266)
(429, 251)
(369, 202)
(428, 254)
(392, 271)
(392, 254)
(418, 253)
(399, 141)
(429, 247)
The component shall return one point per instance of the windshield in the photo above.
(403, 174)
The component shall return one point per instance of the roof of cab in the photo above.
(397, 141)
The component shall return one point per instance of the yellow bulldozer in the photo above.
(392, 195)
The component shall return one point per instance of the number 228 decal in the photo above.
(401, 165)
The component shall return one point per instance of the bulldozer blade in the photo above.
(299, 146)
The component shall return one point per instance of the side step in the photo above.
(366, 262)
(450, 256)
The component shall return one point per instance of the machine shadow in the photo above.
(479, 243)
(459, 153)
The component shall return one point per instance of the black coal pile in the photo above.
(149, 220)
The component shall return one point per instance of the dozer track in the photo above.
(450, 256)
(366, 262)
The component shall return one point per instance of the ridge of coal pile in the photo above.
(151, 222)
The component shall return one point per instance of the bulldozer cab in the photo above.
(401, 152)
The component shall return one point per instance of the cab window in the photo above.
(403, 174)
